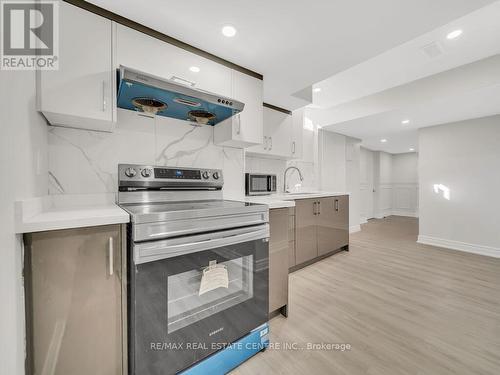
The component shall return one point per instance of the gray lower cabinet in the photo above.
(322, 226)
(333, 223)
(291, 237)
(75, 301)
(306, 231)
(278, 259)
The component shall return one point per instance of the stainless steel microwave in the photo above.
(260, 184)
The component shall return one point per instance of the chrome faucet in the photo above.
(284, 177)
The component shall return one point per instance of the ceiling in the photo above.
(294, 43)
(369, 101)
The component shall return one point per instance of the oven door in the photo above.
(178, 316)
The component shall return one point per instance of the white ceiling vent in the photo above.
(432, 50)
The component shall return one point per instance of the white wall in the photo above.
(405, 184)
(383, 184)
(23, 167)
(405, 168)
(332, 161)
(464, 157)
(395, 181)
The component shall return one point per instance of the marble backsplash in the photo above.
(85, 162)
(277, 166)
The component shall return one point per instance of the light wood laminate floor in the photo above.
(404, 308)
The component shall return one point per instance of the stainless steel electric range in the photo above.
(197, 266)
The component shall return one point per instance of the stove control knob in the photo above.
(205, 175)
(130, 172)
(216, 175)
(146, 173)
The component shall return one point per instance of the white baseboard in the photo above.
(404, 213)
(354, 228)
(460, 246)
(381, 215)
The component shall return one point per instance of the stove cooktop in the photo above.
(162, 211)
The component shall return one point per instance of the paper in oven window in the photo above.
(214, 276)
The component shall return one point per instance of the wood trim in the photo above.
(158, 35)
(276, 108)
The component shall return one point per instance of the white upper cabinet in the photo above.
(142, 52)
(246, 128)
(278, 135)
(81, 94)
(298, 118)
(309, 140)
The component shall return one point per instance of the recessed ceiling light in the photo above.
(383, 140)
(412, 149)
(454, 34)
(317, 89)
(229, 31)
(405, 122)
(194, 69)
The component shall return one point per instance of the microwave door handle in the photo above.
(269, 183)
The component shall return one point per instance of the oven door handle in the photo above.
(158, 250)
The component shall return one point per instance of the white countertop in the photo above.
(288, 200)
(75, 211)
(271, 200)
(68, 211)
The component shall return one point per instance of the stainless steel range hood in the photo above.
(143, 92)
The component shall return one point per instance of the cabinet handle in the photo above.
(110, 254)
(293, 147)
(104, 104)
(238, 131)
(314, 208)
(336, 204)
(319, 208)
(271, 143)
(265, 143)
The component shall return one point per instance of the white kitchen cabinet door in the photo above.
(279, 129)
(277, 142)
(81, 94)
(139, 51)
(298, 117)
(246, 128)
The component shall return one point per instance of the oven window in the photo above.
(188, 304)
(259, 183)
